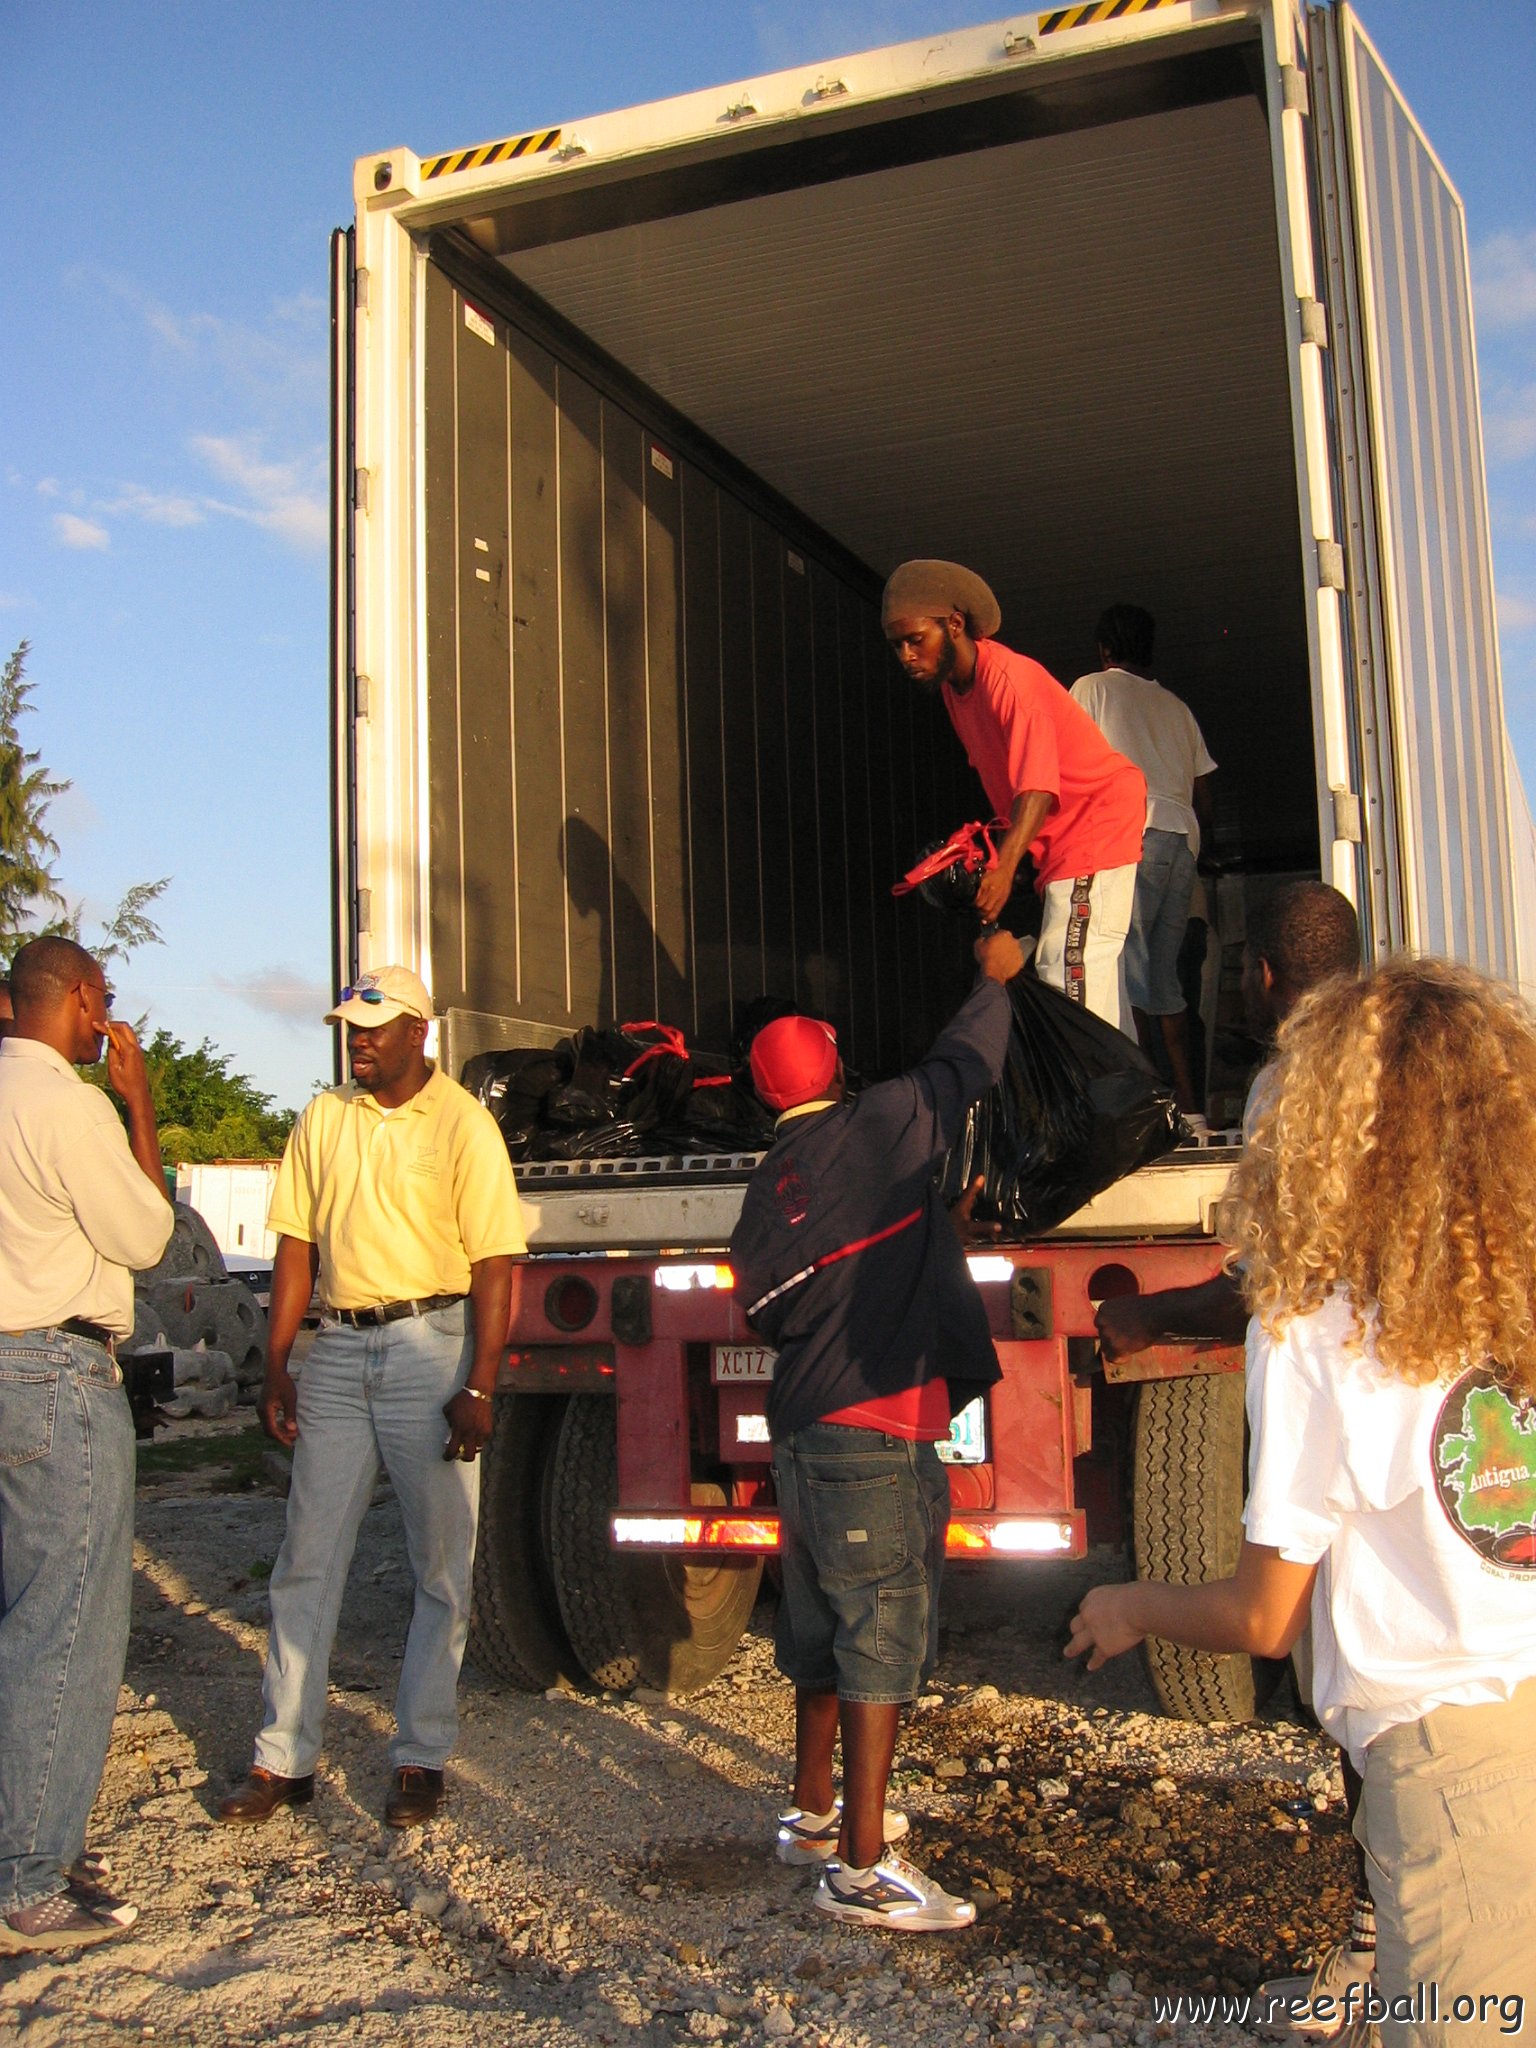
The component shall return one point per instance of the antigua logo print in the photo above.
(1484, 1450)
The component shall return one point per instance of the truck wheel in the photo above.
(515, 1630)
(1186, 1521)
(660, 1621)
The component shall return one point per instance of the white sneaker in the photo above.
(1197, 1127)
(1290, 2000)
(808, 1838)
(893, 1894)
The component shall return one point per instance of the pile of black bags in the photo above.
(633, 1090)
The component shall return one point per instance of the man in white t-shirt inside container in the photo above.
(1156, 730)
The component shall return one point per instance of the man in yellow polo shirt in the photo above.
(396, 1190)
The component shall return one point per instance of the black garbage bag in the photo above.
(591, 1095)
(1077, 1109)
(514, 1085)
(721, 1114)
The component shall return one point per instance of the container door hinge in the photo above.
(360, 490)
(1293, 90)
(364, 912)
(1347, 821)
(359, 696)
(360, 290)
(1314, 322)
(1330, 565)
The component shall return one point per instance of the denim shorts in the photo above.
(862, 1519)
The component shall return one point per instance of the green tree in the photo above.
(206, 1112)
(31, 901)
(27, 848)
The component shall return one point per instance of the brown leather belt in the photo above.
(393, 1311)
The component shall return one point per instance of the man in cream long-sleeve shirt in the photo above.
(82, 1204)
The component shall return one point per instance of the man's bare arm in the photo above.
(1031, 808)
(1212, 1313)
(293, 1283)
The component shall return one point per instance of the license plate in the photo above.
(966, 1443)
(735, 1363)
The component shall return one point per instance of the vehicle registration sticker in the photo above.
(737, 1362)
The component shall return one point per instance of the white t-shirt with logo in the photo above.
(1419, 1503)
(1156, 730)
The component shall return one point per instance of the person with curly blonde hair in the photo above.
(1385, 1231)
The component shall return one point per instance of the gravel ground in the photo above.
(602, 1871)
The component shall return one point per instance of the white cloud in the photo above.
(285, 498)
(1504, 281)
(282, 358)
(161, 508)
(1509, 423)
(10, 602)
(1516, 614)
(47, 487)
(73, 532)
(280, 992)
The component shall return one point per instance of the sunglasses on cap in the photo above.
(360, 994)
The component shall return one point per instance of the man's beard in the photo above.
(945, 671)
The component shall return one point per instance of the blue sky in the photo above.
(173, 174)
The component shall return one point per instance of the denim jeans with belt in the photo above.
(368, 1397)
(66, 1585)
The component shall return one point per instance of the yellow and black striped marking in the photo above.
(490, 153)
(1091, 11)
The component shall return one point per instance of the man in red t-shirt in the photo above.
(1073, 804)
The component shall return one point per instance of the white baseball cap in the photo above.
(380, 997)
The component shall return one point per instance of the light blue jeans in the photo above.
(66, 1586)
(368, 1397)
(1165, 882)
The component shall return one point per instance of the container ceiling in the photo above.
(1060, 360)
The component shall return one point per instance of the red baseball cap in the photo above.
(793, 1061)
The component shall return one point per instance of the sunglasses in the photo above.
(362, 995)
(108, 995)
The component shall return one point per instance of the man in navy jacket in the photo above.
(848, 1265)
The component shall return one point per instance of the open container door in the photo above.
(1430, 739)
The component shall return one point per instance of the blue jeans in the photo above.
(862, 1519)
(1165, 881)
(368, 1397)
(66, 1585)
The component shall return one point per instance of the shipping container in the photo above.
(1164, 302)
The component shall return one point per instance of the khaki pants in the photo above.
(1448, 1824)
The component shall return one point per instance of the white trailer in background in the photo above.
(1154, 300)
(232, 1197)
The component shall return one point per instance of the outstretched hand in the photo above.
(1102, 1625)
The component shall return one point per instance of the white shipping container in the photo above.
(232, 1197)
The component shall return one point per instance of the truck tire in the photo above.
(515, 1631)
(1186, 1522)
(657, 1621)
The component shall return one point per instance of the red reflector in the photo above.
(961, 1540)
(570, 1302)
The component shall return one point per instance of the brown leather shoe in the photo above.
(415, 1796)
(262, 1793)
